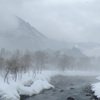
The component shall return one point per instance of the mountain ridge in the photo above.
(27, 37)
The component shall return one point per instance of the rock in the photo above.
(23, 97)
(72, 84)
(54, 93)
(70, 98)
(61, 90)
(88, 94)
(71, 88)
(92, 92)
(87, 89)
(95, 97)
(54, 90)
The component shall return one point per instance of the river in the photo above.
(67, 88)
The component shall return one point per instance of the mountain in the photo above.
(87, 45)
(89, 48)
(23, 37)
(75, 52)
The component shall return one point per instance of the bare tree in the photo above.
(25, 62)
(2, 52)
(2, 63)
(40, 60)
(63, 62)
(13, 65)
(84, 63)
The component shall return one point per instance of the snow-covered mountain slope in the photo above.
(23, 37)
(89, 48)
(88, 45)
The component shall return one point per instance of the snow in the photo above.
(96, 88)
(8, 92)
(30, 84)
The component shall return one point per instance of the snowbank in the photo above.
(30, 85)
(96, 88)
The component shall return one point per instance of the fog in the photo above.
(68, 20)
(7, 23)
(49, 44)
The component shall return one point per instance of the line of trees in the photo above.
(17, 63)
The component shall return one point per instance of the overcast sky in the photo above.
(69, 20)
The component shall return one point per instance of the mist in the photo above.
(64, 33)
(73, 22)
(49, 44)
(8, 22)
(68, 20)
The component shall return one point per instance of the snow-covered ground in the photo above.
(30, 85)
(96, 88)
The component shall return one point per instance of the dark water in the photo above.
(67, 88)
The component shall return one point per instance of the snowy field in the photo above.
(30, 84)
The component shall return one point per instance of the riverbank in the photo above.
(29, 85)
(67, 88)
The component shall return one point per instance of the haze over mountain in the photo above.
(24, 36)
